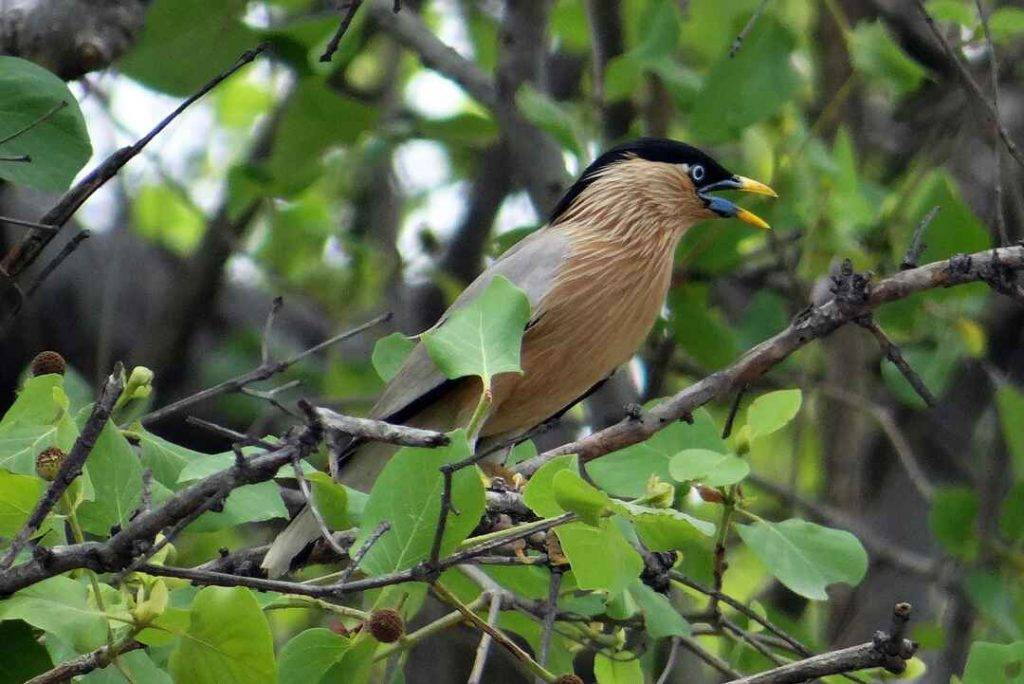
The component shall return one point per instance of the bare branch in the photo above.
(484, 649)
(379, 431)
(86, 663)
(895, 354)
(917, 245)
(747, 28)
(350, 8)
(383, 527)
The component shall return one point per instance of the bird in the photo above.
(596, 276)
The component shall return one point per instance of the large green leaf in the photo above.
(309, 655)
(24, 657)
(988, 663)
(228, 641)
(601, 558)
(710, 467)
(38, 419)
(177, 54)
(484, 337)
(552, 117)
(880, 59)
(18, 497)
(165, 459)
(806, 557)
(407, 494)
(59, 146)
(59, 605)
(747, 88)
(139, 666)
(116, 475)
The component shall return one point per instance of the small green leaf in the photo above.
(309, 655)
(601, 558)
(773, 411)
(483, 338)
(1010, 402)
(540, 491)
(18, 497)
(552, 117)
(952, 518)
(951, 10)
(710, 467)
(572, 493)
(988, 663)
(621, 668)
(664, 529)
(407, 494)
(806, 557)
(59, 146)
(389, 353)
(228, 641)
(661, 619)
(331, 500)
(1006, 23)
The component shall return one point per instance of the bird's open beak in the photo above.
(727, 209)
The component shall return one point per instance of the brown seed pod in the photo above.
(386, 625)
(568, 679)
(48, 463)
(48, 362)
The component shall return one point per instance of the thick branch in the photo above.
(817, 322)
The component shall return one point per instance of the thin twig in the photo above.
(63, 254)
(263, 372)
(228, 433)
(28, 224)
(268, 327)
(325, 531)
(25, 253)
(917, 245)
(550, 611)
(895, 354)
(691, 645)
(733, 410)
(71, 468)
(670, 662)
(40, 119)
(972, 85)
(357, 557)
(350, 8)
(484, 649)
(747, 28)
(993, 64)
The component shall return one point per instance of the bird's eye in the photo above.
(697, 173)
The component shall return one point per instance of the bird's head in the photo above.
(666, 177)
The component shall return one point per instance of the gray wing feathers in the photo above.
(531, 265)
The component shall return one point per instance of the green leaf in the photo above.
(331, 500)
(139, 666)
(228, 640)
(389, 353)
(1006, 23)
(773, 411)
(552, 117)
(251, 503)
(116, 476)
(806, 557)
(951, 10)
(407, 494)
(59, 605)
(1010, 403)
(666, 529)
(309, 655)
(747, 88)
(988, 663)
(539, 494)
(1011, 514)
(572, 493)
(165, 459)
(882, 61)
(38, 419)
(59, 146)
(601, 558)
(952, 519)
(18, 497)
(710, 467)
(621, 668)
(700, 327)
(484, 337)
(24, 657)
(176, 54)
(661, 619)
(626, 472)
(167, 218)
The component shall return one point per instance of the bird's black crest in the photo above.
(651, 149)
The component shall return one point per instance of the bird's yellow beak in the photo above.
(727, 209)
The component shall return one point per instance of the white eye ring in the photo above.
(697, 172)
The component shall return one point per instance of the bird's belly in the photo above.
(594, 327)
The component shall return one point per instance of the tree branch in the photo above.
(814, 323)
(86, 663)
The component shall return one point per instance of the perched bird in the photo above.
(596, 276)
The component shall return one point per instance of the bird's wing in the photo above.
(531, 265)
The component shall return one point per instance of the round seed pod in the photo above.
(386, 625)
(48, 463)
(48, 362)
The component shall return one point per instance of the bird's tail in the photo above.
(301, 531)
